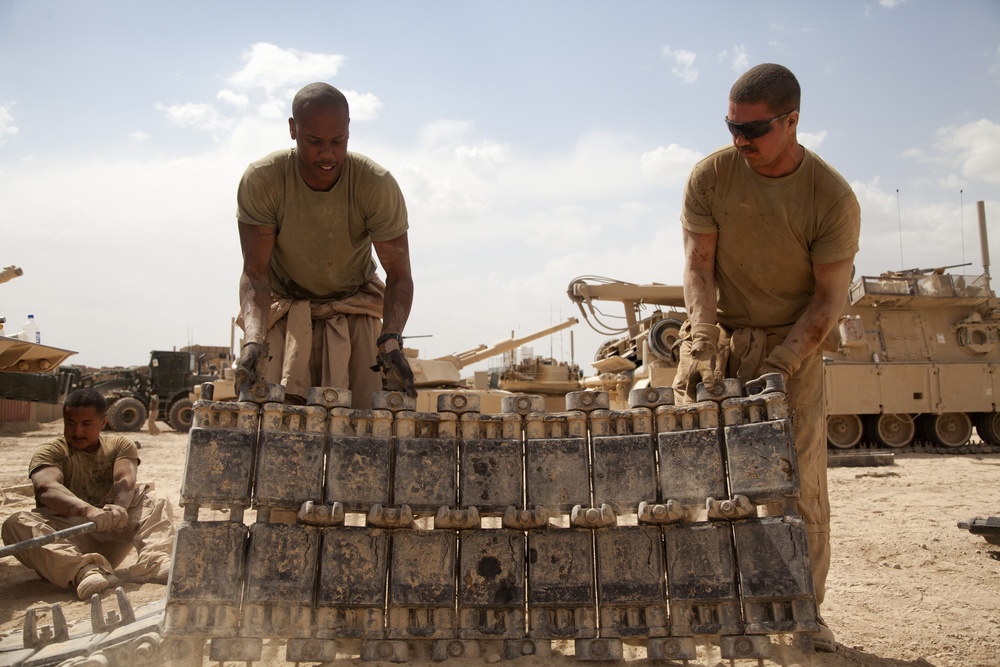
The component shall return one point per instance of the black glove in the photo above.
(396, 373)
(251, 366)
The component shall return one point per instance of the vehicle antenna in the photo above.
(899, 219)
(961, 212)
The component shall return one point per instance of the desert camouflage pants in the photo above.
(150, 531)
(747, 349)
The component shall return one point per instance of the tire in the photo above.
(988, 427)
(949, 429)
(181, 415)
(126, 414)
(844, 431)
(890, 430)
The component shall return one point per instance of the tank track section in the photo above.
(326, 534)
(919, 447)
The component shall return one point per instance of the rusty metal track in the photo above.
(392, 535)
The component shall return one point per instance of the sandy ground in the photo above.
(907, 587)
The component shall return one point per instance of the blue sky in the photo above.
(534, 142)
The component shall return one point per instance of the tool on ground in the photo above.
(17, 547)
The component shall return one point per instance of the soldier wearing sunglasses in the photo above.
(770, 233)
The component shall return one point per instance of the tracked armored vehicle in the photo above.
(918, 360)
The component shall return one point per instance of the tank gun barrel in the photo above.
(463, 359)
(938, 270)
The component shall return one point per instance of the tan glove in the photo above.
(700, 361)
(251, 366)
(781, 360)
(396, 373)
(705, 353)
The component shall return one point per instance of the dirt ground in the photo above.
(907, 587)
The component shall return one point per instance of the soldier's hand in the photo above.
(781, 360)
(396, 373)
(107, 519)
(251, 366)
(705, 354)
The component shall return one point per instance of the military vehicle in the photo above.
(170, 376)
(433, 377)
(915, 357)
(642, 352)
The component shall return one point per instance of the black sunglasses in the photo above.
(753, 129)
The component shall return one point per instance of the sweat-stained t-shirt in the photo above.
(323, 248)
(89, 476)
(771, 231)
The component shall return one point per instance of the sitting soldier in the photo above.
(86, 476)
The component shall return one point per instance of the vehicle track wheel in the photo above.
(181, 415)
(662, 337)
(988, 427)
(891, 430)
(126, 414)
(843, 431)
(950, 429)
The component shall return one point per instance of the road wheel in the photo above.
(951, 429)
(988, 427)
(843, 431)
(181, 415)
(890, 430)
(662, 337)
(126, 414)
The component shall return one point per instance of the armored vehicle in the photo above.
(918, 359)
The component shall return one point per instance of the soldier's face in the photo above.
(321, 133)
(82, 426)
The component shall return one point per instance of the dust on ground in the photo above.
(907, 587)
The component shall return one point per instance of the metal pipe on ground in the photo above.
(63, 534)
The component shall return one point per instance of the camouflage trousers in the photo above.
(150, 531)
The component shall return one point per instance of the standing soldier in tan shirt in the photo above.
(770, 233)
(310, 298)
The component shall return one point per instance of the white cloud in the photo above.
(7, 127)
(199, 116)
(233, 99)
(483, 160)
(890, 4)
(364, 106)
(973, 149)
(270, 68)
(683, 67)
(740, 58)
(811, 140)
(669, 164)
(138, 136)
(443, 133)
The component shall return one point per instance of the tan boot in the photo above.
(91, 581)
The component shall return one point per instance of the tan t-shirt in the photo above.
(323, 249)
(89, 476)
(771, 232)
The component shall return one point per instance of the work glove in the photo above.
(700, 360)
(705, 353)
(396, 373)
(781, 360)
(251, 366)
